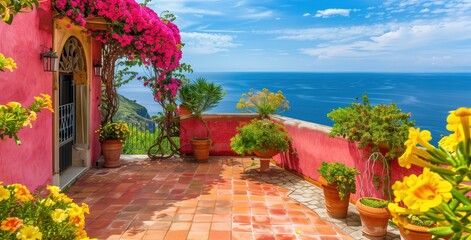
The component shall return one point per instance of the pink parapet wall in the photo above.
(311, 146)
(222, 128)
(31, 162)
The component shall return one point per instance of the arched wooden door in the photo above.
(72, 63)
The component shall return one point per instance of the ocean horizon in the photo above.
(427, 96)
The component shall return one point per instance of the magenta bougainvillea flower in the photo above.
(138, 29)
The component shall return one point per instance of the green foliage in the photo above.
(263, 103)
(200, 95)
(374, 203)
(113, 131)
(141, 140)
(416, 220)
(260, 135)
(372, 126)
(340, 174)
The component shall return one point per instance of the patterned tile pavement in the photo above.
(225, 199)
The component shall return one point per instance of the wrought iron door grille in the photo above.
(67, 128)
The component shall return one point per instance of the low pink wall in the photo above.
(311, 146)
(31, 162)
(222, 128)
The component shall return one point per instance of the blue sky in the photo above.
(324, 35)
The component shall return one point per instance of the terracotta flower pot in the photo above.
(111, 150)
(413, 232)
(265, 158)
(374, 220)
(184, 111)
(336, 207)
(201, 149)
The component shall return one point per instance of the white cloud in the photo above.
(182, 7)
(207, 43)
(240, 4)
(306, 15)
(425, 10)
(254, 14)
(332, 12)
(409, 40)
(338, 34)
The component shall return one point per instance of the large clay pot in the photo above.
(413, 232)
(111, 150)
(184, 111)
(265, 157)
(374, 220)
(336, 207)
(201, 149)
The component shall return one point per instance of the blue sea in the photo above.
(427, 96)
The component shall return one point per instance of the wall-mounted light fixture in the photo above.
(97, 69)
(49, 61)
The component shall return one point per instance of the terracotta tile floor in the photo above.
(178, 199)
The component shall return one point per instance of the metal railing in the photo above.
(143, 135)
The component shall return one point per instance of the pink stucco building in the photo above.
(62, 144)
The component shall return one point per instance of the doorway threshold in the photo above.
(70, 175)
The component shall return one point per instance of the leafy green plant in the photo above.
(260, 135)
(374, 203)
(113, 131)
(27, 216)
(263, 103)
(372, 126)
(200, 95)
(340, 174)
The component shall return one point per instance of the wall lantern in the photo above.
(49, 61)
(97, 69)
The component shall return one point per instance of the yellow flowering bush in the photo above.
(340, 174)
(114, 131)
(6, 63)
(263, 103)
(441, 193)
(30, 217)
(13, 116)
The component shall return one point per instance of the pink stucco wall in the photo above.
(222, 128)
(31, 162)
(95, 102)
(311, 146)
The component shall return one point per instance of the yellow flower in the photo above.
(414, 155)
(29, 233)
(53, 189)
(33, 116)
(59, 215)
(419, 137)
(4, 193)
(22, 193)
(450, 142)
(423, 192)
(85, 208)
(14, 104)
(11, 224)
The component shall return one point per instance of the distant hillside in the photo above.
(130, 111)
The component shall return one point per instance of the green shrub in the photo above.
(340, 174)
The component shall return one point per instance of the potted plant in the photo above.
(200, 96)
(112, 136)
(185, 97)
(263, 103)
(338, 181)
(262, 137)
(379, 128)
(374, 213)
